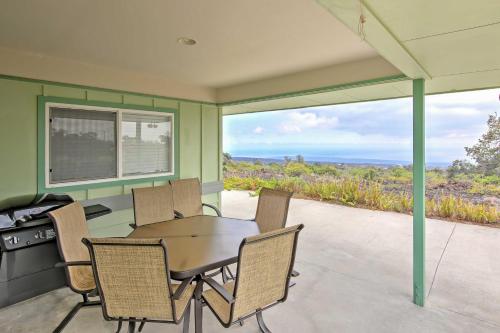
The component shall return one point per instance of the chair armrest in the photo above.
(180, 290)
(217, 211)
(72, 263)
(219, 289)
(294, 273)
(133, 225)
(178, 215)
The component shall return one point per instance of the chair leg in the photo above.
(187, 315)
(231, 275)
(224, 276)
(120, 322)
(262, 325)
(131, 326)
(141, 326)
(68, 317)
(74, 311)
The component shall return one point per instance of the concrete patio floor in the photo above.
(356, 276)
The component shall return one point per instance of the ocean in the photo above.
(349, 157)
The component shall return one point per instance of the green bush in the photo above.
(325, 170)
(401, 174)
(295, 169)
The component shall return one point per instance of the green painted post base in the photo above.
(419, 192)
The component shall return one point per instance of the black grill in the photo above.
(28, 248)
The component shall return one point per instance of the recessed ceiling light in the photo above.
(186, 41)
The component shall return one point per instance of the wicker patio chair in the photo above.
(187, 203)
(152, 205)
(264, 269)
(71, 226)
(272, 209)
(187, 198)
(133, 280)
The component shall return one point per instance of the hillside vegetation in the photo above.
(454, 194)
(466, 191)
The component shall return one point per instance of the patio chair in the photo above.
(152, 205)
(187, 203)
(187, 198)
(272, 209)
(265, 265)
(133, 280)
(71, 226)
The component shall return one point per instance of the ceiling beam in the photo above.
(376, 34)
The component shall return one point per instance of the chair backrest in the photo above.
(265, 264)
(153, 204)
(272, 209)
(71, 226)
(187, 196)
(132, 277)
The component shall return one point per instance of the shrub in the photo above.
(359, 192)
(375, 188)
(325, 170)
(295, 169)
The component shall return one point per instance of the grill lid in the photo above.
(6, 221)
(38, 209)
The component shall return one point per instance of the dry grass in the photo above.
(359, 192)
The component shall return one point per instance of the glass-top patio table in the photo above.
(197, 245)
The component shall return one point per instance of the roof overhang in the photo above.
(451, 44)
(246, 60)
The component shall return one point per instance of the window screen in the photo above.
(146, 144)
(82, 145)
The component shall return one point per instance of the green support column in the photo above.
(419, 192)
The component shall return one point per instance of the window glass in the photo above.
(82, 145)
(146, 144)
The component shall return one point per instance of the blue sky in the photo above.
(368, 130)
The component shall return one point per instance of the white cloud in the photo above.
(258, 130)
(465, 98)
(290, 128)
(454, 111)
(297, 121)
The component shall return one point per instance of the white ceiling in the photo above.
(453, 44)
(446, 37)
(238, 41)
(412, 19)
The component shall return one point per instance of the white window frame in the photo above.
(119, 168)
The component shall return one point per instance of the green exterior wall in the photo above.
(199, 145)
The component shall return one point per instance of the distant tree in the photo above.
(460, 166)
(370, 174)
(439, 171)
(398, 171)
(486, 153)
(287, 159)
(227, 157)
(324, 169)
(295, 169)
(300, 159)
(257, 162)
